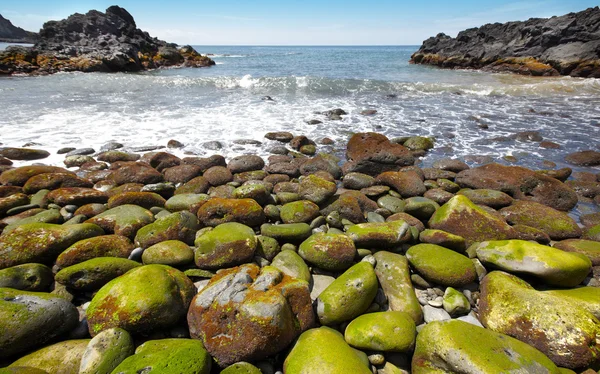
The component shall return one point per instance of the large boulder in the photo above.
(106, 351)
(371, 153)
(229, 244)
(63, 357)
(218, 210)
(328, 251)
(383, 331)
(248, 313)
(123, 220)
(175, 226)
(441, 266)
(98, 246)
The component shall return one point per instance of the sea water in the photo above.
(467, 112)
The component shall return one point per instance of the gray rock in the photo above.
(431, 314)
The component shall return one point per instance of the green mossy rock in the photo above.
(41, 242)
(592, 233)
(92, 274)
(492, 198)
(393, 274)
(349, 296)
(99, 246)
(176, 226)
(12, 201)
(123, 220)
(144, 199)
(441, 265)
(241, 368)
(144, 299)
(219, 210)
(420, 207)
(316, 189)
(22, 370)
(332, 252)
(324, 350)
(47, 216)
(171, 252)
(184, 201)
(558, 225)
(455, 303)
(383, 331)
(256, 192)
(286, 232)
(227, 245)
(379, 234)
(197, 185)
(461, 217)
(418, 143)
(444, 239)
(562, 330)
(19, 176)
(106, 351)
(267, 247)
(584, 297)
(182, 356)
(27, 277)
(29, 319)
(391, 203)
(291, 264)
(299, 211)
(551, 265)
(459, 347)
(63, 357)
(588, 248)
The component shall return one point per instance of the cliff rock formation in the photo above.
(12, 34)
(97, 41)
(565, 45)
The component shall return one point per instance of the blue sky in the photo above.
(295, 22)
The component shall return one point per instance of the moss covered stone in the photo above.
(492, 198)
(299, 211)
(551, 265)
(588, 248)
(323, 350)
(592, 233)
(383, 331)
(348, 296)
(184, 201)
(170, 252)
(455, 302)
(175, 226)
(393, 274)
(559, 328)
(144, 199)
(19, 176)
(441, 265)
(27, 277)
(63, 357)
(45, 216)
(254, 191)
(444, 239)
(241, 368)
(420, 207)
(379, 234)
(29, 319)
(41, 242)
(291, 264)
(76, 196)
(328, 251)
(123, 220)
(145, 299)
(184, 356)
(316, 189)
(287, 232)
(459, 347)
(99, 246)
(227, 245)
(219, 210)
(92, 274)
(267, 247)
(391, 203)
(418, 143)
(106, 351)
(585, 297)
(12, 201)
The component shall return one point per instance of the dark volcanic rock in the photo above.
(97, 41)
(12, 34)
(565, 45)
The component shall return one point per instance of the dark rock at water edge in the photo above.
(565, 45)
(10, 33)
(96, 41)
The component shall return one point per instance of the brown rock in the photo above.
(182, 173)
(281, 136)
(144, 199)
(98, 246)
(6, 191)
(584, 158)
(19, 176)
(218, 210)
(160, 160)
(52, 181)
(135, 172)
(26, 154)
(450, 165)
(244, 163)
(197, 185)
(372, 153)
(76, 196)
(206, 163)
(406, 183)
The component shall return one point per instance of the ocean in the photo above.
(467, 112)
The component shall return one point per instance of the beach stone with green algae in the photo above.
(558, 225)
(393, 275)
(19, 176)
(379, 234)
(420, 207)
(383, 331)
(123, 220)
(184, 201)
(299, 211)
(22, 370)
(348, 296)
(415, 143)
(76, 196)
(459, 347)
(561, 329)
(63, 357)
(441, 265)
(255, 191)
(144, 299)
(391, 203)
(587, 298)
(316, 189)
(551, 265)
(267, 247)
(588, 248)
(27, 277)
(241, 368)
(323, 350)
(492, 198)
(291, 264)
(461, 217)
(30, 319)
(41, 242)
(45, 216)
(592, 233)
(327, 251)
(248, 313)
(106, 351)
(92, 274)
(444, 239)
(228, 244)
(197, 185)
(12, 201)
(98, 246)
(175, 226)
(170, 252)
(219, 210)
(182, 356)
(144, 199)
(455, 302)
(286, 232)
(52, 181)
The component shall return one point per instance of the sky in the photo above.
(294, 22)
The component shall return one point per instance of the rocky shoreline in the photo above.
(96, 42)
(565, 45)
(122, 262)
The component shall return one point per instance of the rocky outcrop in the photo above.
(96, 41)
(10, 33)
(565, 45)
